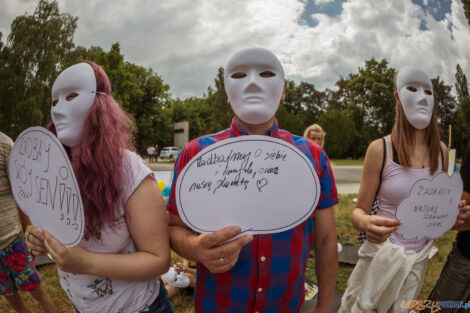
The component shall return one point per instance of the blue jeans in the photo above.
(162, 303)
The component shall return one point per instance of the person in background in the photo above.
(125, 247)
(315, 132)
(454, 282)
(16, 263)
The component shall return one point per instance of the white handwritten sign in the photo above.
(432, 207)
(44, 185)
(262, 184)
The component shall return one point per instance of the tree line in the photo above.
(360, 109)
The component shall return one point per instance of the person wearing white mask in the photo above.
(125, 247)
(413, 151)
(259, 273)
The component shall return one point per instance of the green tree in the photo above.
(35, 51)
(340, 131)
(217, 100)
(445, 107)
(462, 126)
(372, 90)
(466, 9)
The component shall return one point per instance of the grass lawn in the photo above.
(183, 302)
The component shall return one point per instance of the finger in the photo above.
(383, 221)
(227, 265)
(232, 248)
(381, 230)
(462, 203)
(373, 237)
(220, 236)
(52, 244)
(466, 208)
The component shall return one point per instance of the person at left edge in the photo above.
(116, 265)
(260, 273)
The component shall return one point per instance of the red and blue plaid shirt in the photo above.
(269, 275)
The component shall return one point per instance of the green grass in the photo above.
(344, 162)
(184, 303)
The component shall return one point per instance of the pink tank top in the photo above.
(396, 185)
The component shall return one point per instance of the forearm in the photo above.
(183, 242)
(134, 266)
(326, 270)
(359, 219)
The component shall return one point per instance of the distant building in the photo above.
(181, 134)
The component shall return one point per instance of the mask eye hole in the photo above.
(428, 92)
(54, 102)
(71, 96)
(411, 88)
(267, 74)
(238, 75)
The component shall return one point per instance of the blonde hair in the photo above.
(316, 129)
(403, 139)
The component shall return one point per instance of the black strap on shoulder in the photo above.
(395, 155)
(383, 164)
(442, 158)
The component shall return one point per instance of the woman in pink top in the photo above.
(116, 266)
(391, 269)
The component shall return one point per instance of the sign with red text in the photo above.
(262, 184)
(44, 185)
(432, 207)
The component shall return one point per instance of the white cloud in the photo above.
(186, 41)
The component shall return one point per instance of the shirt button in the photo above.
(260, 289)
(263, 259)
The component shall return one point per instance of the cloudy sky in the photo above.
(186, 41)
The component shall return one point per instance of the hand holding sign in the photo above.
(262, 184)
(44, 185)
(432, 208)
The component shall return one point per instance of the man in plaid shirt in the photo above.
(260, 273)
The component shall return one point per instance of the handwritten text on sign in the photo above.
(432, 207)
(262, 184)
(44, 185)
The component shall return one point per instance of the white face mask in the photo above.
(416, 96)
(254, 82)
(68, 112)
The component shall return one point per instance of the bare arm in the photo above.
(377, 228)
(147, 222)
(326, 257)
(212, 250)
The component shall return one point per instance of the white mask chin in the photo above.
(69, 113)
(416, 96)
(254, 82)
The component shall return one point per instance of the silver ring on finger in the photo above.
(221, 260)
(27, 237)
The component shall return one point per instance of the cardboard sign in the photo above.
(44, 185)
(262, 184)
(432, 207)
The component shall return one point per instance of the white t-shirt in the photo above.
(91, 294)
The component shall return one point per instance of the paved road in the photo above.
(347, 178)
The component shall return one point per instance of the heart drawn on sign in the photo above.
(260, 183)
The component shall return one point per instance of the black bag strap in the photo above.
(383, 165)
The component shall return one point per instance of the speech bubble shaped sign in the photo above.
(44, 185)
(262, 184)
(432, 207)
